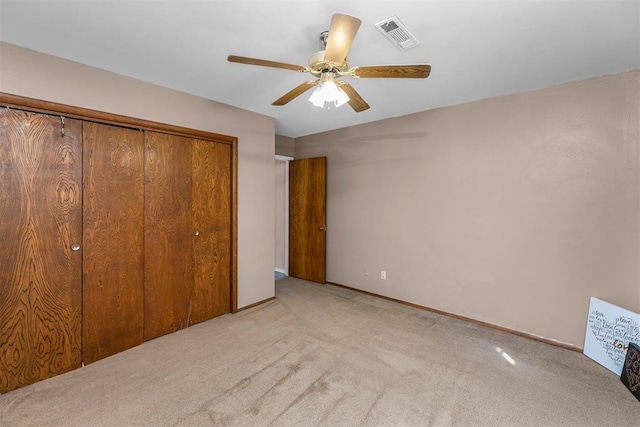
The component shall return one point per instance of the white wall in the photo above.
(27, 73)
(280, 214)
(285, 146)
(513, 210)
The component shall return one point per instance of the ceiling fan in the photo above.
(330, 64)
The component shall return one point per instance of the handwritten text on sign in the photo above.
(610, 329)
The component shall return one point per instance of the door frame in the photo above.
(39, 106)
(285, 159)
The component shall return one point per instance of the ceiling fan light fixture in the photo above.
(330, 65)
(328, 91)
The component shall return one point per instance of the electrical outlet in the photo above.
(383, 275)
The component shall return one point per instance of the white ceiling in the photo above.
(477, 49)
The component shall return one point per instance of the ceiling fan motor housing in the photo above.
(318, 65)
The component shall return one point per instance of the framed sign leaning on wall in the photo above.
(610, 329)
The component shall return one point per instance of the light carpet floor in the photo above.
(324, 355)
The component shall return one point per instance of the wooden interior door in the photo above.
(113, 235)
(211, 221)
(40, 220)
(307, 219)
(168, 234)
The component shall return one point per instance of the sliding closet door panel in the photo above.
(168, 234)
(212, 220)
(40, 220)
(113, 254)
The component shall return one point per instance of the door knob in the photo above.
(196, 233)
(322, 228)
(75, 247)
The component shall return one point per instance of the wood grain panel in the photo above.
(42, 106)
(211, 207)
(168, 234)
(307, 219)
(16, 101)
(355, 100)
(294, 93)
(414, 71)
(40, 218)
(113, 240)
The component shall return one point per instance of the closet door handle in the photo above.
(196, 233)
(75, 247)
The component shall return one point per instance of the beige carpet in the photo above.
(323, 355)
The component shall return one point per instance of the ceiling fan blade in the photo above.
(392, 71)
(294, 93)
(341, 34)
(265, 63)
(355, 100)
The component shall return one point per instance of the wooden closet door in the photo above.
(113, 248)
(168, 234)
(40, 220)
(211, 208)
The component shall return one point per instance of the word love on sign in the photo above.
(610, 329)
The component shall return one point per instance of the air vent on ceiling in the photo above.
(399, 35)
